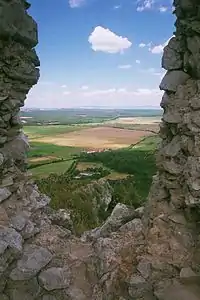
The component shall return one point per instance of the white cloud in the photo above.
(117, 6)
(122, 90)
(145, 5)
(158, 49)
(163, 9)
(63, 86)
(55, 97)
(100, 92)
(115, 91)
(125, 66)
(103, 39)
(76, 3)
(142, 45)
(145, 91)
(138, 61)
(84, 87)
(66, 93)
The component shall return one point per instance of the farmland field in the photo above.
(45, 159)
(150, 124)
(96, 138)
(38, 131)
(62, 166)
(46, 170)
(54, 147)
(136, 120)
(47, 150)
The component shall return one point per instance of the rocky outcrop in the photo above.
(147, 254)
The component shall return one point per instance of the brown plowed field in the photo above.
(97, 138)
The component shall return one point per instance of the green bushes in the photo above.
(75, 195)
(81, 195)
(124, 191)
(138, 163)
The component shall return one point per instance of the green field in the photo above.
(42, 157)
(45, 170)
(43, 150)
(148, 144)
(36, 132)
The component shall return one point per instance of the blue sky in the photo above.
(100, 52)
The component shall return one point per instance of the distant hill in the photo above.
(83, 115)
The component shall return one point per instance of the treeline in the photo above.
(139, 163)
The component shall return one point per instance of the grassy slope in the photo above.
(46, 170)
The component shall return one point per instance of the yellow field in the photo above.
(82, 166)
(41, 159)
(96, 138)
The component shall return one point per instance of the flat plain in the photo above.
(96, 138)
(54, 147)
(136, 123)
(136, 120)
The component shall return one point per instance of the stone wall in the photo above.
(135, 255)
(173, 207)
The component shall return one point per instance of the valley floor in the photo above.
(66, 159)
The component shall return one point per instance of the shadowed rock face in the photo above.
(150, 255)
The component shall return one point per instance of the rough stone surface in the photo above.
(55, 278)
(48, 297)
(134, 225)
(173, 79)
(172, 57)
(187, 275)
(4, 297)
(120, 215)
(61, 217)
(181, 292)
(148, 254)
(4, 194)
(12, 238)
(33, 260)
(138, 286)
(18, 222)
(144, 268)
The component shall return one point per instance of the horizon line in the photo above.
(92, 107)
